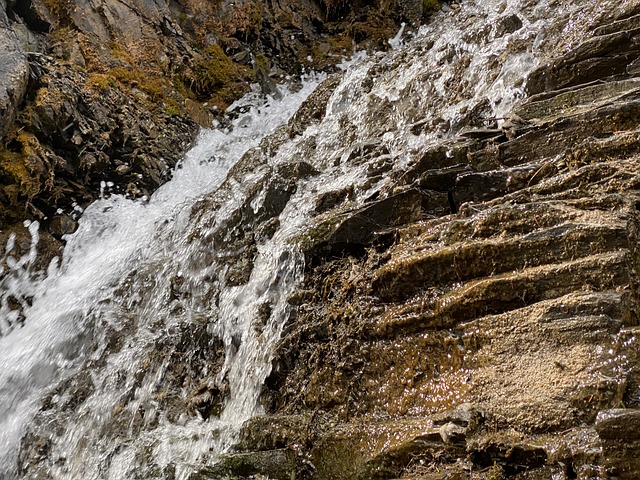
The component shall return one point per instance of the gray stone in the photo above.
(14, 72)
(62, 225)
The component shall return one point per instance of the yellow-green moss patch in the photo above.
(429, 7)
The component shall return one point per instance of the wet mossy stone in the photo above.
(619, 424)
(274, 464)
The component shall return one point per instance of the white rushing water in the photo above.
(115, 236)
(104, 333)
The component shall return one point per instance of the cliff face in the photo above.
(467, 211)
(103, 96)
(14, 71)
(479, 318)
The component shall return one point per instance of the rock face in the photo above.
(496, 336)
(471, 293)
(13, 70)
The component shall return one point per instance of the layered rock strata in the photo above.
(475, 317)
(481, 321)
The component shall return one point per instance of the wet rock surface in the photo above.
(185, 364)
(519, 309)
(470, 303)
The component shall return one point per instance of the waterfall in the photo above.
(78, 307)
(146, 348)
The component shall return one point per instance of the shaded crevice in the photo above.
(452, 202)
(24, 9)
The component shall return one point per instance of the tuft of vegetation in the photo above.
(171, 107)
(13, 168)
(495, 472)
(118, 51)
(334, 7)
(262, 63)
(217, 78)
(60, 9)
(24, 173)
(247, 19)
(100, 82)
(182, 89)
(430, 7)
(154, 86)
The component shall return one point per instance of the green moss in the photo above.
(172, 108)
(217, 78)
(13, 166)
(215, 70)
(155, 87)
(429, 7)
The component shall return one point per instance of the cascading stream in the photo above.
(143, 353)
(113, 239)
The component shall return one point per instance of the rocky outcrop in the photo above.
(471, 293)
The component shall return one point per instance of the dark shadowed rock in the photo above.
(508, 24)
(619, 424)
(356, 230)
(62, 225)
